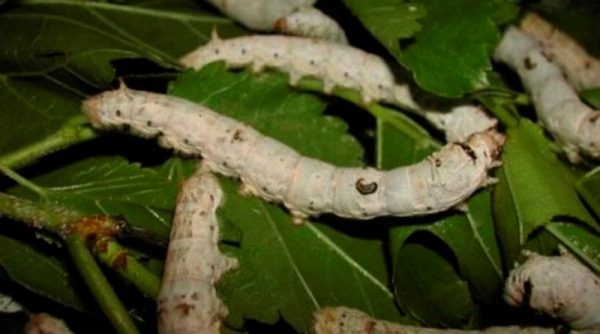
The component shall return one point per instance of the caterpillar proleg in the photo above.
(343, 320)
(558, 286)
(581, 69)
(295, 17)
(334, 64)
(575, 125)
(306, 186)
(188, 301)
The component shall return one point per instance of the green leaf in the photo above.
(534, 190)
(461, 248)
(589, 188)
(113, 186)
(38, 272)
(83, 37)
(32, 109)
(592, 97)
(388, 20)
(426, 281)
(284, 269)
(451, 54)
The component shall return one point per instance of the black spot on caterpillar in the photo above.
(366, 188)
(335, 64)
(306, 186)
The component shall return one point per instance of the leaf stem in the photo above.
(23, 181)
(115, 256)
(40, 216)
(99, 285)
(393, 117)
(73, 131)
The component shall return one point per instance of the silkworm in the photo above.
(461, 122)
(582, 69)
(44, 323)
(295, 17)
(343, 320)
(188, 301)
(335, 64)
(306, 186)
(558, 286)
(571, 122)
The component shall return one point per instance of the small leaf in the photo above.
(589, 188)
(451, 54)
(38, 272)
(534, 190)
(284, 269)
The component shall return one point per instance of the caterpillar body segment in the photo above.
(332, 63)
(188, 301)
(581, 68)
(294, 17)
(575, 126)
(558, 286)
(306, 186)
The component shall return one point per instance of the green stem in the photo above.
(23, 181)
(72, 132)
(393, 117)
(115, 256)
(99, 285)
(47, 217)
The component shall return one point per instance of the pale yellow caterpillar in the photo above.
(558, 286)
(575, 125)
(306, 186)
(44, 323)
(335, 64)
(188, 301)
(343, 320)
(294, 17)
(581, 69)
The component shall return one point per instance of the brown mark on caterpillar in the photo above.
(237, 135)
(468, 150)
(529, 65)
(365, 188)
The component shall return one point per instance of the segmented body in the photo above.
(276, 172)
(581, 69)
(575, 125)
(333, 63)
(188, 301)
(558, 286)
(295, 17)
(343, 320)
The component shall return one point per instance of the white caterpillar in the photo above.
(44, 323)
(295, 17)
(343, 320)
(188, 301)
(334, 64)
(575, 125)
(581, 69)
(276, 172)
(558, 286)
(461, 122)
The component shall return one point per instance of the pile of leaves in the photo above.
(443, 270)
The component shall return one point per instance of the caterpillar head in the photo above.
(488, 145)
(109, 109)
(205, 54)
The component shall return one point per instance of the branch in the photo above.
(72, 132)
(99, 285)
